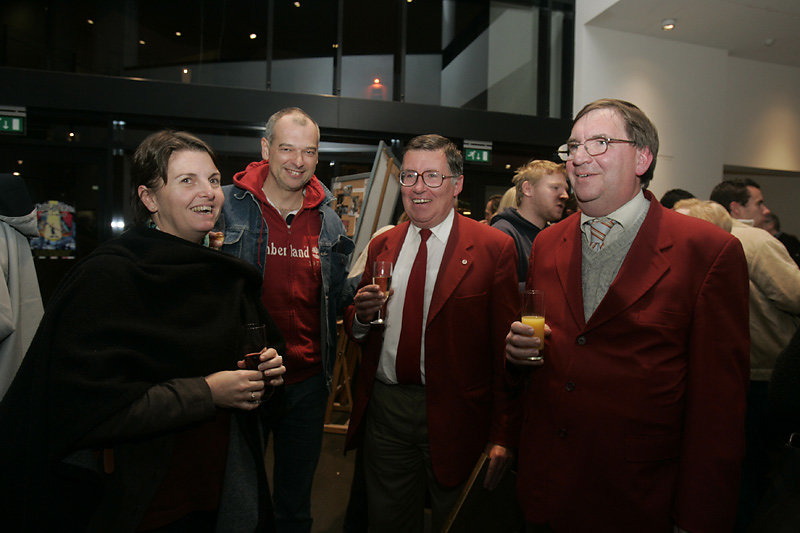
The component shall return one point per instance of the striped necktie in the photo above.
(599, 229)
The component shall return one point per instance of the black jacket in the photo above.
(509, 221)
(118, 362)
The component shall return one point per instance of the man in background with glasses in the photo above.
(634, 420)
(430, 394)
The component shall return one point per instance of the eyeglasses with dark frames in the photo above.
(431, 178)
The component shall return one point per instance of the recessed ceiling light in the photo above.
(89, 21)
(508, 166)
(297, 4)
(668, 24)
(142, 42)
(253, 36)
(177, 34)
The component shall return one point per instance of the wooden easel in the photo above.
(341, 398)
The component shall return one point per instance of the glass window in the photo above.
(513, 58)
(423, 82)
(369, 42)
(304, 46)
(208, 43)
(557, 21)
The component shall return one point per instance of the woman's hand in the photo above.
(271, 366)
(238, 389)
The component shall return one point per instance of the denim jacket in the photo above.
(242, 224)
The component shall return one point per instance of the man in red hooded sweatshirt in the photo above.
(277, 217)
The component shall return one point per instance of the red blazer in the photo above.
(474, 302)
(636, 419)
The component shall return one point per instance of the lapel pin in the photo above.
(463, 261)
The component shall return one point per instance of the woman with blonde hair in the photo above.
(705, 210)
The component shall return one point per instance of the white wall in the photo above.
(710, 110)
(661, 77)
(763, 128)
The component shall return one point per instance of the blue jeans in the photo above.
(297, 442)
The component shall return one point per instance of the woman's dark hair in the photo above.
(150, 162)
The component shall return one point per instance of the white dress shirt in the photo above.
(393, 321)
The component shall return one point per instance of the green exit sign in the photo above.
(12, 124)
(477, 156)
(12, 120)
(478, 151)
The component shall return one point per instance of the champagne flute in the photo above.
(255, 340)
(533, 316)
(382, 277)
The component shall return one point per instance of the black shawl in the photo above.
(140, 310)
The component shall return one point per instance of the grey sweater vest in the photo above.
(598, 269)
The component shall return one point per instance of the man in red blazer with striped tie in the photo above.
(431, 393)
(634, 420)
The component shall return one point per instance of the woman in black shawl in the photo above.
(133, 409)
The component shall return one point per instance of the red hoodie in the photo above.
(292, 277)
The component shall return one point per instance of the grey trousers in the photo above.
(397, 463)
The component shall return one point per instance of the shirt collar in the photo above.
(625, 215)
(440, 231)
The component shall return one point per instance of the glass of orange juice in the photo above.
(533, 316)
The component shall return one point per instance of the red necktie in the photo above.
(408, 349)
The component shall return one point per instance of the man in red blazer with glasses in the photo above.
(634, 420)
(431, 394)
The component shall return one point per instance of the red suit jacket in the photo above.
(636, 419)
(476, 297)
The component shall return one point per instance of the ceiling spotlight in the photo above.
(186, 71)
(89, 21)
(142, 42)
(297, 4)
(177, 34)
(20, 161)
(376, 81)
(508, 166)
(668, 24)
(16, 174)
(253, 36)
